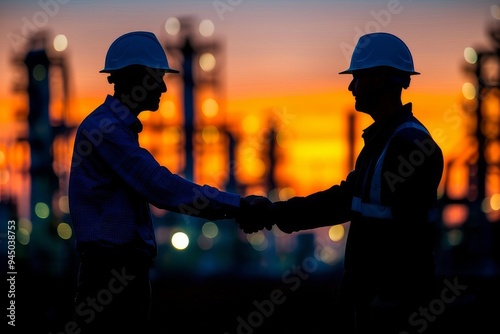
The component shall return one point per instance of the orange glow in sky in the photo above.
(278, 70)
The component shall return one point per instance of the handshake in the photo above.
(258, 212)
(255, 214)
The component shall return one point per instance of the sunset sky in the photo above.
(277, 65)
(282, 59)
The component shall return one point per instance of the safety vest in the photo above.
(374, 208)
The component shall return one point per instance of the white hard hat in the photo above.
(136, 48)
(381, 49)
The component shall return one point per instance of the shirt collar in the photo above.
(403, 113)
(123, 113)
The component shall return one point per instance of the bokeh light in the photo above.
(42, 210)
(286, 193)
(468, 91)
(172, 26)
(255, 167)
(210, 107)
(258, 241)
(167, 109)
(470, 55)
(210, 230)
(206, 28)
(64, 231)
(63, 204)
(180, 240)
(207, 61)
(490, 204)
(336, 232)
(60, 43)
(25, 224)
(328, 255)
(23, 236)
(495, 11)
(495, 202)
(455, 215)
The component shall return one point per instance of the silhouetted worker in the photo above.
(112, 183)
(390, 199)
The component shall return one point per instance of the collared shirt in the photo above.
(113, 181)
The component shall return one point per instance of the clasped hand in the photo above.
(254, 214)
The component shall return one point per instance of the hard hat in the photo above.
(381, 49)
(136, 48)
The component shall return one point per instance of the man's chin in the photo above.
(359, 107)
(153, 107)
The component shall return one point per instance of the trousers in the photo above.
(113, 293)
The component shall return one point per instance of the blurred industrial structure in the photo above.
(470, 201)
(195, 137)
(39, 153)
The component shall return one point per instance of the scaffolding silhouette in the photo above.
(471, 247)
(45, 83)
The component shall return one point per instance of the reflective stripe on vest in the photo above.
(375, 209)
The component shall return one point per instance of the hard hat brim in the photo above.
(109, 70)
(350, 71)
